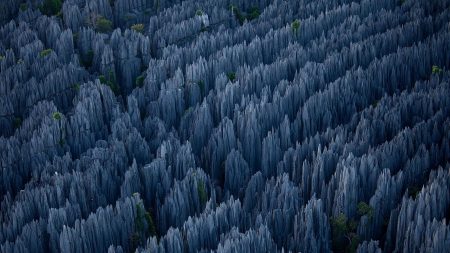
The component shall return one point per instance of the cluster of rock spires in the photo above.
(224, 126)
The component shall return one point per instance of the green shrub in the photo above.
(23, 6)
(57, 115)
(144, 226)
(295, 25)
(203, 196)
(102, 79)
(138, 28)
(344, 238)
(436, 70)
(253, 13)
(103, 25)
(199, 12)
(139, 220)
(110, 80)
(112, 83)
(139, 226)
(201, 85)
(45, 52)
(231, 76)
(364, 209)
(76, 86)
(237, 13)
(51, 7)
(354, 242)
(339, 224)
(150, 223)
(140, 81)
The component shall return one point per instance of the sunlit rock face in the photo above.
(224, 126)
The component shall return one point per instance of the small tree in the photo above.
(201, 85)
(51, 7)
(253, 13)
(295, 25)
(237, 13)
(138, 28)
(436, 70)
(140, 81)
(103, 25)
(199, 12)
(57, 116)
(110, 80)
(76, 86)
(45, 52)
(143, 226)
(23, 6)
(203, 196)
(364, 209)
(343, 231)
(231, 76)
(150, 223)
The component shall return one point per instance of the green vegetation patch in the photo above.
(140, 81)
(110, 80)
(23, 6)
(57, 116)
(45, 52)
(143, 226)
(199, 13)
(364, 209)
(436, 69)
(103, 25)
(344, 237)
(76, 86)
(253, 13)
(51, 7)
(138, 28)
(203, 196)
(295, 25)
(231, 76)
